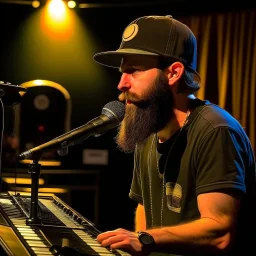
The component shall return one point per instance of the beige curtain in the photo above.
(227, 63)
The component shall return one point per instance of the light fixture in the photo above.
(71, 4)
(35, 4)
(23, 181)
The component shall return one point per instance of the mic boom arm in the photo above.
(95, 127)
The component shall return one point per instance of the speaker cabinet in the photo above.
(44, 113)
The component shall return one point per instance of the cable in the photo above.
(1, 140)
(17, 161)
(15, 177)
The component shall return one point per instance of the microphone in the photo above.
(10, 94)
(111, 116)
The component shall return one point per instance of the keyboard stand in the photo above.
(34, 170)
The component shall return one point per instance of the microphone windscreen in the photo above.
(114, 109)
(10, 94)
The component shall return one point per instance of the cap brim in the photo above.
(113, 58)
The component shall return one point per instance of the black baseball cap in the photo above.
(161, 36)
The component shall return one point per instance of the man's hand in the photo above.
(124, 240)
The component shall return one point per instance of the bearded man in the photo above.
(194, 167)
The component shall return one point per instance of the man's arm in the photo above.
(140, 219)
(213, 232)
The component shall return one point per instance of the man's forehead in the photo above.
(140, 60)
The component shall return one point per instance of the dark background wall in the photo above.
(28, 55)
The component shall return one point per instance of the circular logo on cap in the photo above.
(130, 32)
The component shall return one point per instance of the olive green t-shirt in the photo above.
(211, 153)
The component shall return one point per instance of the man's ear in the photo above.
(175, 71)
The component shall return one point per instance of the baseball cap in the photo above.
(161, 36)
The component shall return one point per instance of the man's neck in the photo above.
(181, 111)
(178, 121)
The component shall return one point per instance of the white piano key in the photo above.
(38, 249)
(34, 238)
(36, 243)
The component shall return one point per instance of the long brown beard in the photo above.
(145, 116)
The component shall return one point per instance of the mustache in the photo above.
(134, 99)
(126, 96)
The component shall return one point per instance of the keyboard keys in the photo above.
(62, 228)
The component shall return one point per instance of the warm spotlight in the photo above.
(57, 9)
(71, 4)
(35, 4)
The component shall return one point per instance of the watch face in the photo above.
(145, 238)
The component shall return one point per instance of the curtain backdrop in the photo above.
(227, 62)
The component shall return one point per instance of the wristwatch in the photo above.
(146, 239)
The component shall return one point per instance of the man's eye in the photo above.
(131, 70)
(136, 71)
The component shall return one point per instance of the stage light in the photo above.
(35, 4)
(57, 9)
(24, 181)
(71, 4)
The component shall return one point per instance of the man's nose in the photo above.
(124, 84)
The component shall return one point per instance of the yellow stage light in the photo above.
(57, 9)
(46, 190)
(35, 4)
(43, 162)
(24, 181)
(71, 4)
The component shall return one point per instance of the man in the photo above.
(194, 167)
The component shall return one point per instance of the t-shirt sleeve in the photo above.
(135, 190)
(220, 161)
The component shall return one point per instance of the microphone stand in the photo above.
(34, 170)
